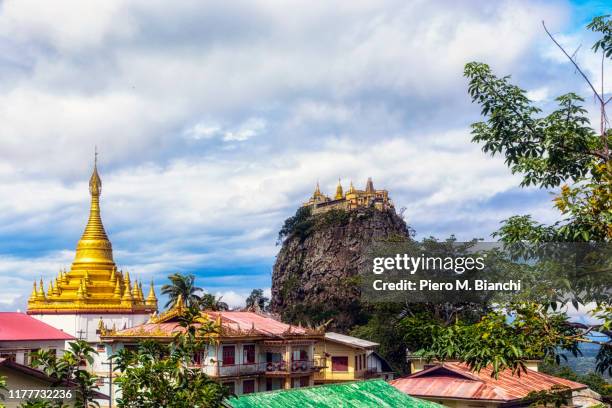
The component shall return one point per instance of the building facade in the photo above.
(21, 335)
(352, 199)
(253, 352)
(348, 358)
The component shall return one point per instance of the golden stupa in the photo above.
(93, 283)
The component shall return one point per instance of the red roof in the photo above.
(455, 380)
(235, 322)
(19, 326)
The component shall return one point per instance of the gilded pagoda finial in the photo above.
(151, 298)
(317, 192)
(95, 183)
(34, 293)
(117, 291)
(339, 192)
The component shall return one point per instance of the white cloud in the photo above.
(215, 122)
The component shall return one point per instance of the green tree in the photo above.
(208, 301)
(558, 149)
(257, 300)
(68, 369)
(2, 388)
(300, 224)
(164, 375)
(184, 286)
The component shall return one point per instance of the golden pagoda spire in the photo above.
(94, 246)
(151, 298)
(34, 293)
(93, 284)
(351, 188)
(117, 291)
(317, 192)
(339, 192)
(135, 290)
(41, 290)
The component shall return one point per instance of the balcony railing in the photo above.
(296, 366)
(276, 367)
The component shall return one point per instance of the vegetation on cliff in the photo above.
(316, 274)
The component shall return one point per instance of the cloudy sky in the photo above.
(214, 120)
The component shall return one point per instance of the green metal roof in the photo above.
(360, 394)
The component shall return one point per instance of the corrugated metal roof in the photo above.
(19, 326)
(361, 394)
(455, 380)
(238, 322)
(350, 341)
(245, 321)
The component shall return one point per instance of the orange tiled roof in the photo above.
(455, 380)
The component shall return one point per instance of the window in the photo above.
(357, 363)
(339, 363)
(197, 358)
(9, 356)
(300, 382)
(229, 355)
(100, 348)
(248, 351)
(231, 386)
(248, 386)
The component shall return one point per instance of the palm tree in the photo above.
(208, 301)
(183, 285)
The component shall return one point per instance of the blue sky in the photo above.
(215, 120)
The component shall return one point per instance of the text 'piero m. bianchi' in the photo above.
(450, 274)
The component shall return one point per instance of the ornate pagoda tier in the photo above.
(93, 284)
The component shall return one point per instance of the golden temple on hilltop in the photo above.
(93, 284)
(370, 197)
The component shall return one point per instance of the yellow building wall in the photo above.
(324, 351)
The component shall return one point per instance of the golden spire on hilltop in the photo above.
(317, 192)
(339, 192)
(369, 186)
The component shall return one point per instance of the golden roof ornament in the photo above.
(317, 192)
(151, 298)
(34, 292)
(117, 291)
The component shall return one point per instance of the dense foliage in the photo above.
(595, 381)
(557, 150)
(300, 225)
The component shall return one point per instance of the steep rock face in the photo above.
(315, 275)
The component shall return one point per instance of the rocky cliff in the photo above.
(315, 277)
